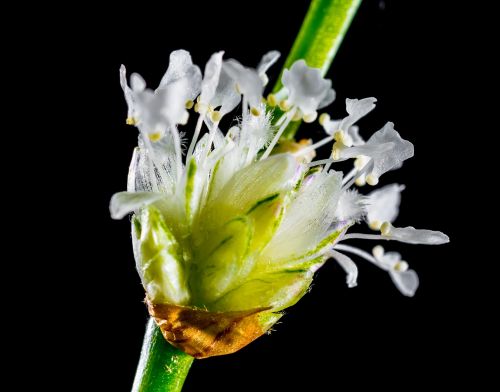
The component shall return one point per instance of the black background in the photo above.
(334, 337)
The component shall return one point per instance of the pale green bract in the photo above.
(231, 226)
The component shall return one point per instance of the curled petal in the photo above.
(123, 203)
(211, 78)
(348, 266)
(307, 89)
(411, 235)
(406, 281)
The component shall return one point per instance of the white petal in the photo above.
(348, 266)
(267, 61)
(406, 282)
(382, 205)
(307, 89)
(411, 235)
(127, 92)
(211, 77)
(247, 80)
(353, 132)
(327, 99)
(181, 67)
(137, 83)
(123, 203)
(357, 108)
(388, 261)
(308, 217)
(226, 95)
(394, 158)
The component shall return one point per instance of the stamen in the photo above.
(360, 181)
(386, 228)
(319, 162)
(311, 117)
(297, 116)
(215, 116)
(361, 161)
(336, 150)
(130, 121)
(201, 108)
(375, 225)
(324, 118)
(284, 105)
(314, 146)
(255, 112)
(154, 137)
(371, 179)
(378, 251)
(271, 100)
(401, 266)
(189, 104)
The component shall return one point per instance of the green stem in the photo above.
(319, 38)
(161, 367)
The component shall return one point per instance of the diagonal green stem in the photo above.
(319, 38)
(161, 367)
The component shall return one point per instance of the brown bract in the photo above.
(204, 334)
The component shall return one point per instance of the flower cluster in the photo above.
(237, 223)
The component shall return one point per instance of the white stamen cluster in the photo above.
(321, 199)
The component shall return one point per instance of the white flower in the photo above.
(386, 150)
(406, 280)
(307, 90)
(231, 227)
(344, 130)
(156, 112)
(248, 81)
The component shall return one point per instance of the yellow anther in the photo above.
(284, 105)
(360, 162)
(386, 227)
(189, 104)
(378, 251)
(200, 108)
(215, 116)
(401, 266)
(360, 181)
(309, 118)
(371, 179)
(255, 111)
(271, 100)
(375, 225)
(130, 121)
(324, 118)
(347, 140)
(339, 136)
(337, 148)
(297, 116)
(154, 137)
